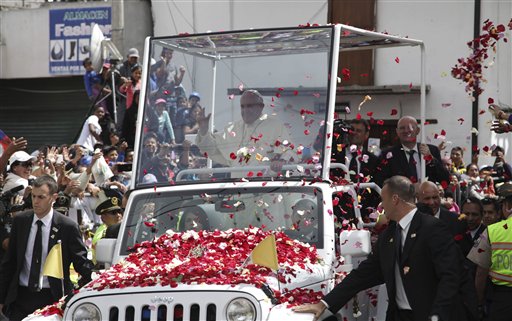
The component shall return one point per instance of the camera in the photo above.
(6, 208)
(85, 152)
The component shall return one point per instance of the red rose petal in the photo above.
(394, 112)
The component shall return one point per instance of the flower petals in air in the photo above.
(366, 98)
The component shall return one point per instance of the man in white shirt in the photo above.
(23, 288)
(415, 257)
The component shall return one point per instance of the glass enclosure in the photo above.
(247, 104)
(296, 211)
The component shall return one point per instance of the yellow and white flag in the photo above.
(265, 253)
(53, 264)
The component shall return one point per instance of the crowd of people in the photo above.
(87, 184)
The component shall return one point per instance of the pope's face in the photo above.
(251, 108)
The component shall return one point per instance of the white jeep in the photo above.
(236, 190)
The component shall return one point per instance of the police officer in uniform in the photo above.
(492, 253)
(109, 208)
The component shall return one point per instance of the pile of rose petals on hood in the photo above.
(210, 258)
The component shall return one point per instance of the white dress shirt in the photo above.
(401, 297)
(348, 159)
(45, 229)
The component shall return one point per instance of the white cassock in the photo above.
(257, 139)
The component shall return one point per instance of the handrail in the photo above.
(229, 170)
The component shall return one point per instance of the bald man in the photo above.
(405, 158)
(428, 194)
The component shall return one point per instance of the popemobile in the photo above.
(240, 220)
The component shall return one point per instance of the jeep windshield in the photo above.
(296, 211)
(266, 91)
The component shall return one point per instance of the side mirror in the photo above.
(105, 251)
(355, 243)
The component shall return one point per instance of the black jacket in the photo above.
(366, 168)
(397, 164)
(73, 251)
(431, 267)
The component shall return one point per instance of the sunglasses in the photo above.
(26, 164)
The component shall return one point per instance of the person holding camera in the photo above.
(503, 121)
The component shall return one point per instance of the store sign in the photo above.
(70, 32)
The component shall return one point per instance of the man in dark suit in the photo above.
(23, 288)
(415, 257)
(472, 209)
(405, 159)
(428, 194)
(355, 155)
(361, 164)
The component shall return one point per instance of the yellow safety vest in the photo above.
(100, 233)
(500, 237)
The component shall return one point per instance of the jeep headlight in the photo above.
(241, 309)
(87, 312)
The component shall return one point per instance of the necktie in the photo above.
(412, 165)
(353, 167)
(35, 266)
(398, 245)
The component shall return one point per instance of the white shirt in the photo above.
(416, 158)
(45, 233)
(348, 159)
(12, 180)
(239, 136)
(86, 138)
(75, 205)
(401, 297)
(438, 213)
(473, 232)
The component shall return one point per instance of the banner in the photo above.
(70, 32)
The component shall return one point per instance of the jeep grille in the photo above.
(163, 312)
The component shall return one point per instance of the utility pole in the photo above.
(118, 24)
